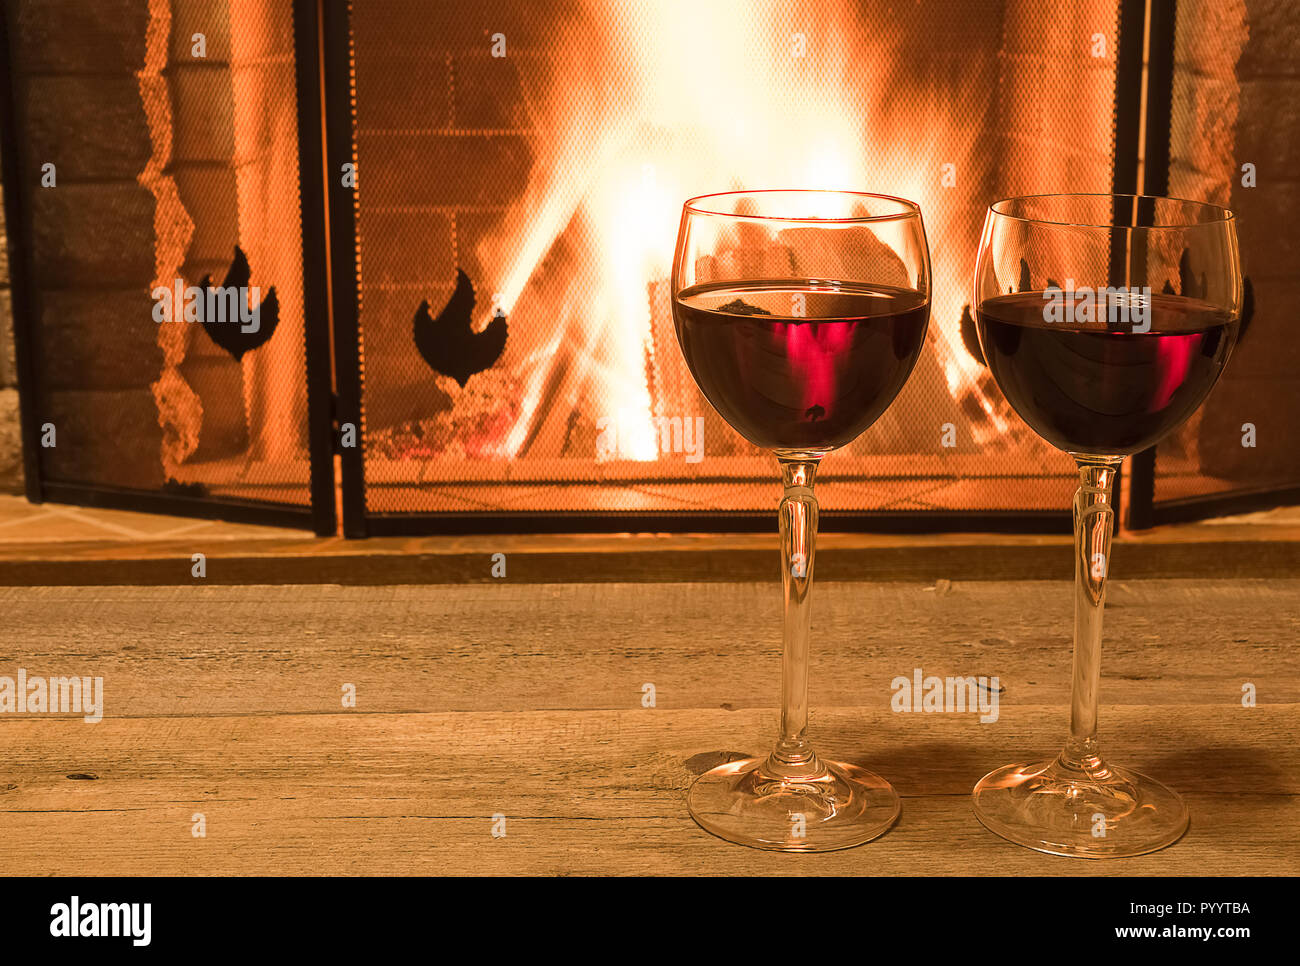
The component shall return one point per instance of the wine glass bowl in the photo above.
(1118, 315)
(800, 315)
(1105, 320)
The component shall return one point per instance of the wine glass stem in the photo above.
(793, 756)
(1094, 520)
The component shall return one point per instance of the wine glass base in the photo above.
(1098, 813)
(843, 806)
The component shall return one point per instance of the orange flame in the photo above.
(723, 95)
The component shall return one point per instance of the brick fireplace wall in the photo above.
(79, 92)
(11, 455)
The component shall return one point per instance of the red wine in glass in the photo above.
(1098, 390)
(800, 315)
(800, 365)
(1101, 371)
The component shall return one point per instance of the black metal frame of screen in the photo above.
(326, 124)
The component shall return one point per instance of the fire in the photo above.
(677, 98)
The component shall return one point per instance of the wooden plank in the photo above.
(525, 700)
(225, 650)
(588, 792)
(1194, 551)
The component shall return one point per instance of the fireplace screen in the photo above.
(460, 218)
(155, 157)
(521, 170)
(1239, 447)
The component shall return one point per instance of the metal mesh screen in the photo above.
(160, 142)
(1231, 145)
(534, 159)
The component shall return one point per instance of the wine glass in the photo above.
(1105, 320)
(800, 315)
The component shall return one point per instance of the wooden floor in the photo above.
(525, 700)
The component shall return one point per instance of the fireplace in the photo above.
(467, 215)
